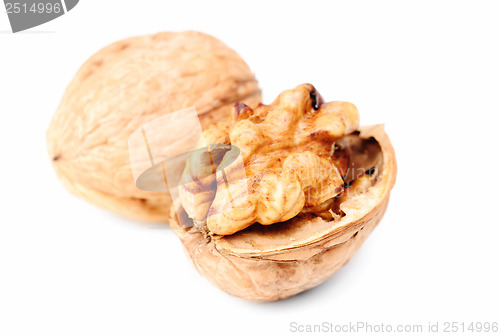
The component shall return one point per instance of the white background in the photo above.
(429, 70)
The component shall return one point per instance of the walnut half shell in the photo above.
(272, 262)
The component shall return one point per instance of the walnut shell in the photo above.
(122, 87)
(268, 263)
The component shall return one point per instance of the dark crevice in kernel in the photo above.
(56, 158)
(370, 171)
(239, 109)
(316, 98)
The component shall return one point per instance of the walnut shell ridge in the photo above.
(126, 85)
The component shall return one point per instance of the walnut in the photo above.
(126, 85)
(310, 238)
(286, 149)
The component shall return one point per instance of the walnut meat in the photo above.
(126, 85)
(286, 148)
(271, 262)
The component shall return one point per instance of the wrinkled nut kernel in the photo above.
(287, 153)
(279, 143)
(124, 86)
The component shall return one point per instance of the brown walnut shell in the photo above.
(126, 85)
(268, 263)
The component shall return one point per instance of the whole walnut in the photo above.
(125, 85)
